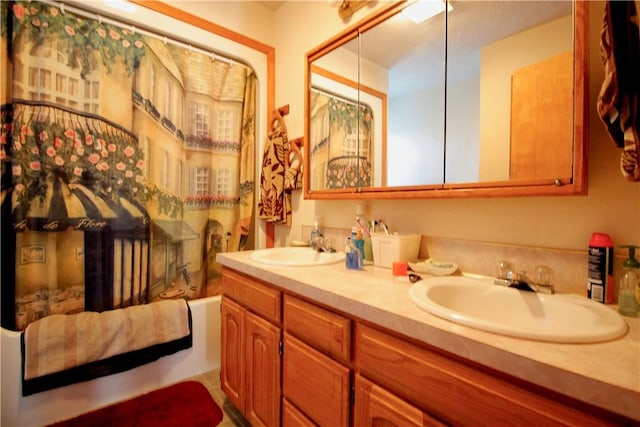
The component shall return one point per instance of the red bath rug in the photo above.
(184, 404)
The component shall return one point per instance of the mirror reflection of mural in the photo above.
(340, 142)
(122, 165)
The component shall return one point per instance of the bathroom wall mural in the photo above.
(127, 164)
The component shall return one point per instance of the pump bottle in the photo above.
(628, 297)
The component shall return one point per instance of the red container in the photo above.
(600, 276)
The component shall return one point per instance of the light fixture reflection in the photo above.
(422, 10)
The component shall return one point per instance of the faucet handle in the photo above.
(504, 270)
(543, 276)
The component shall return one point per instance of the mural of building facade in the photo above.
(122, 160)
(341, 142)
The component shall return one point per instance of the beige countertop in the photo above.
(604, 374)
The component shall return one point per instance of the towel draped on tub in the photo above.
(63, 349)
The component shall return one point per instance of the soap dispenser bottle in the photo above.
(629, 295)
(315, 231)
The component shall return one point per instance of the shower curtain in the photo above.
(127, 164)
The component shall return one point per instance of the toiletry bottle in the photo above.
(359, 242)
(353, 260)
(315, 232)
(368, 248)
(600, 274)
(628, 303)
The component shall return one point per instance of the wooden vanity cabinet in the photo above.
(293, 417)
(375, 406)
(335, 371)
(316, 377)
(250, 356)
(460, 393)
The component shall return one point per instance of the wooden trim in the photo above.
(269, 51)
(581, 96)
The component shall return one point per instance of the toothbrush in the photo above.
(384, 227)
(362, 227)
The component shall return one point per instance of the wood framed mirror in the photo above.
(482, 99)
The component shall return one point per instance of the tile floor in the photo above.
(232, 418)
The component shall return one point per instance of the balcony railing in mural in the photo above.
(70, 168)
(151, 109)
(137, 98)
(207, 143)
(211, 200)
(168, 124)
(141, 101)
(348, 172)
(320, 145)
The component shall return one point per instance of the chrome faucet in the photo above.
(317, 243)
(320, 244)
(506, 278)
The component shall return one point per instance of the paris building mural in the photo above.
(127, 165)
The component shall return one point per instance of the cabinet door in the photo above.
(316, 384)
(262, 362)
(292, 417)
(376, 407)
(232, 354)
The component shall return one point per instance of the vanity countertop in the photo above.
(604, 374)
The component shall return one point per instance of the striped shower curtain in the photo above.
(127, 164)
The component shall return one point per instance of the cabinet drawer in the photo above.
(257, 296)
(453, 391)
(292, 417)
(316, 384)
(328, 332)
(377, 407)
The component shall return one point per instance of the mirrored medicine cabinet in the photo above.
(481, 99)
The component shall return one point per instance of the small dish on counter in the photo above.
(436, 268)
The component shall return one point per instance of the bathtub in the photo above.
(65, 402)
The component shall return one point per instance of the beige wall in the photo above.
(612, 205)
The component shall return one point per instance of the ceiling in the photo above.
(272, 5)
(415, 51)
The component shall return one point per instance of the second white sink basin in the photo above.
(481, 304)
(295, 257)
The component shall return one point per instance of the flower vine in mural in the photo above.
(207, 200)
(110, 163)
(38, 21)
(5, 131)
(168, 203)
(346, 115)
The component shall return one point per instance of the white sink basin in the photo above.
(295, 257)
(480, 304)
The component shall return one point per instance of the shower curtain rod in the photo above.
(131, 27)
(355, 103)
